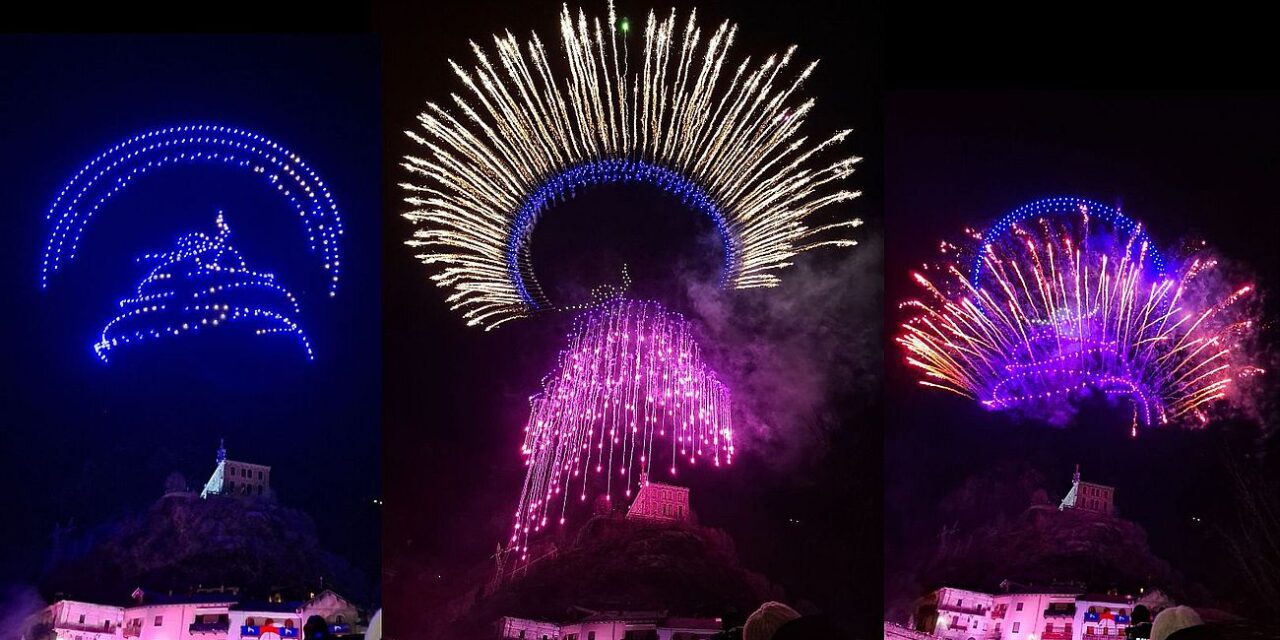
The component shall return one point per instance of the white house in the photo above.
(200, 616)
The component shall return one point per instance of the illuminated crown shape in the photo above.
(201, 285)
(1066, 297)
(727, 140)
(104, 177)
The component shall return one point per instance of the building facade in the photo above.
(236, 478)
(660, 502)
(612, 625)
(960, 614)
(1089, 496)
(201, 616)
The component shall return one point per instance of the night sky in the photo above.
(85, 442)
(803, 507)
(1188, 166)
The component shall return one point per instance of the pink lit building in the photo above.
(200, 616)
(612, 625)
(658, 501)
(959, 614)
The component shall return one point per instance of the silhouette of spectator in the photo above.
(1177, 623)
(1140, 624)
(765, 621)
(315, 629)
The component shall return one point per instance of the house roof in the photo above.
(149, 598)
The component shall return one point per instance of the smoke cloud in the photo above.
(17, 604)
(797, 356)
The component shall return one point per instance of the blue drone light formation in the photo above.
(1069, 206)
(203, 283)
(565, 184)
(116, 168)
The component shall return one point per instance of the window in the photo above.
(288, 624)
(259, 475)
(248, 622)
(591, 635)
(522, 634)
(1015, 626)
(106, 626)
(159, 621)
(959, 602)
(82, 618)
(1018, 608)
(997, 629)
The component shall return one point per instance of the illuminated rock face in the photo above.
(661, 502)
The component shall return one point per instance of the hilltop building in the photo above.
(1089, 496)
(661, 502)
(235, 478)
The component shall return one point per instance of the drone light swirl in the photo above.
(631, 394)
(727, 140)
(116, 168)
(1050, 309)
(200, 285)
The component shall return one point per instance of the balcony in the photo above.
(85, 628)
(1068, 611)
(132, 630)
(976, 611)
(256, 631)
(209, 627)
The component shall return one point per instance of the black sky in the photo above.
(87, 442)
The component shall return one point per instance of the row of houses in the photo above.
(960, 614)
(611, 625)
(199, 616)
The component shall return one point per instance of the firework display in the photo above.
(1065, 297)
(678, 115)
(631, 397)
(111, 172)
(201, 284)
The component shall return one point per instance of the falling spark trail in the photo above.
(630, 397)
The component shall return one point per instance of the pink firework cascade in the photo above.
(631, 395)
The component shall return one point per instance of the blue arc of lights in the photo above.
(565, 184)
(202, 284)
(1062, 206)
(95, 184)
